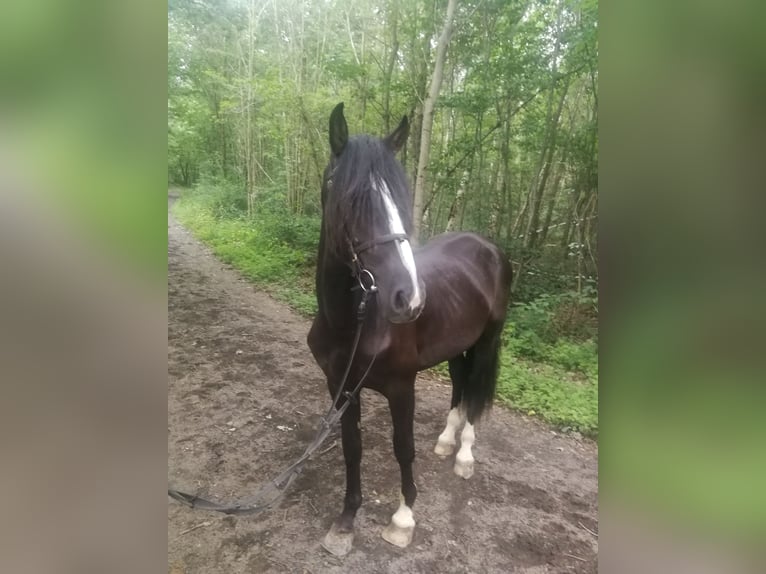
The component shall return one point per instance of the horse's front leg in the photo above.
(339, 539)
(402, 404)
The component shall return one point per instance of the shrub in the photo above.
(575, 356)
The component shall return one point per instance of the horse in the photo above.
(444, 301)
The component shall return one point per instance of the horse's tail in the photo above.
(479, 390)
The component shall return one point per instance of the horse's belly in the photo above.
(446, 337)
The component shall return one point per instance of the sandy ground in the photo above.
(244, 396)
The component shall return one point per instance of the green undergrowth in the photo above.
(266, 250)
(548, 364)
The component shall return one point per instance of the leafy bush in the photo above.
(574, 356)
(557, 334)
(524, 341)
(553, 316)
(575, 315)
(543, 391)
(221, 198)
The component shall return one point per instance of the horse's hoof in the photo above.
(444, 448)
(338, 543)
(463, 468)
(397, 535)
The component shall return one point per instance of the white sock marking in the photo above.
(464, 455)
(403, 247)
(403, 517)
(453, 422)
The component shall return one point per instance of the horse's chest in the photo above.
(329, 348)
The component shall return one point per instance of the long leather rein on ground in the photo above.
(270, 492)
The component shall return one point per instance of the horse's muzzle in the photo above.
(406, 307)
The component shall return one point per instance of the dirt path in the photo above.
(244, 395)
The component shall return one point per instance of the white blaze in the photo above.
(403, 247)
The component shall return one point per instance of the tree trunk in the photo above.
(543, 233)
(533, 223)
(394, 16)
(571, 219)
(457, 201)
(428, 116)
(506, 188)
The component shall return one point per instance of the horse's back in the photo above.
(467, 262)
(467, 279)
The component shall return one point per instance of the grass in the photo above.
(541, 373)
(251, 247)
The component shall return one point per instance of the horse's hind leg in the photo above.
(464, 458)
(458, 370)
(479, 391)
(401, 401)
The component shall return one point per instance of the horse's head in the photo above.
(367, 215)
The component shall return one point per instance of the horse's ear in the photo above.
(338, 130)
(396, 139)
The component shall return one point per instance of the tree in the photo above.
(428, 117)
(502, 97)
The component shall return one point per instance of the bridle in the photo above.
(358, 270)
(367, 245)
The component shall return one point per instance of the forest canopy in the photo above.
(512, 147)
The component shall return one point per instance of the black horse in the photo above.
(446, 301)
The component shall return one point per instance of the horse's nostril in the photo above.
(400, 301)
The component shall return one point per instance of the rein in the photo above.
(274, 489)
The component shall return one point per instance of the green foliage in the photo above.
(299, 232)
(260, 248)
(548, 367)
(549, 392)
(576, 357)
(222, 199)
(550, 317)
